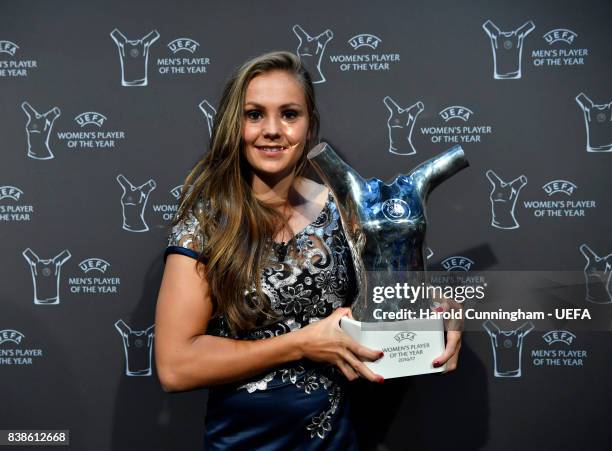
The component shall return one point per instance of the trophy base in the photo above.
(410, 346)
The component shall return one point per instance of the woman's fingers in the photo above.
(345, 352)
(353, 352)
(342, 311)
(339, 313)
(347, 370)
(364, 352)
(361, 368)
(453, 343)
(451, 364)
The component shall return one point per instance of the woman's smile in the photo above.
(274, 150)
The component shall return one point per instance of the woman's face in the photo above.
(275, 123)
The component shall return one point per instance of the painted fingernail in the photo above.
(439, 309)
(436, 364)
(380, 379)
(381, 355)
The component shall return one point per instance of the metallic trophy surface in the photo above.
(385, 224)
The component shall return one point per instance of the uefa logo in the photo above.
(395, 210)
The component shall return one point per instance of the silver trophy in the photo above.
(385, 225)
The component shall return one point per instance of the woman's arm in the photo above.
(187, 358)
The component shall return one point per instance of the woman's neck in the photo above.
(281, 192)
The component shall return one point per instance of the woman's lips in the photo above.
(271, 150)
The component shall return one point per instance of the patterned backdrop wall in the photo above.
(106, 105)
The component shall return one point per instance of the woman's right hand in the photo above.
(325, 341)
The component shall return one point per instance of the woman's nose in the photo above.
(272, 127)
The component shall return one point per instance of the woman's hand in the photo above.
(454, 330)
(451, 351)
(325, 341)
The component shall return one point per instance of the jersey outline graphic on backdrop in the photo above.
(400, 124)
(503, 199)
(209, 114)
(598, 124)
(310, 50)
(507, 354)
(507, 48)
(133, 202)
(428, 252)
(137, 349)
(46, 276)
(38, 130)
(598, 276)
(134, 57)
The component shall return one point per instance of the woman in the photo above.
(256, 318)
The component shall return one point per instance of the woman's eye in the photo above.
(290, 114)
(253, 115)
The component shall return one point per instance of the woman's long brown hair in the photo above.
(237, 228)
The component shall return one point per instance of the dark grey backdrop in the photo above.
(59, 54)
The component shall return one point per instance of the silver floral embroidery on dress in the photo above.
(258, 385)
(307, 286)
(186, 233)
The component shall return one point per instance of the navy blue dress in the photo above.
(302, 405)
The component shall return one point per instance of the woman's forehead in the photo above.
(276, 87)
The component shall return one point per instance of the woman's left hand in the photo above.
(454, 330)
(451, 351)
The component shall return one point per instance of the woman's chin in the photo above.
(273, 171)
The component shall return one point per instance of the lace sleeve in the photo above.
(185, 237)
